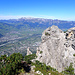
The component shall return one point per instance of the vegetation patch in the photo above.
(65, 31)
(69, 70)
(16, 64)
(10, 65)
(74, 55)
(46, 33)
(28, 58)
(41, 52)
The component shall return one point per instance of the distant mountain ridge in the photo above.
(39, 22)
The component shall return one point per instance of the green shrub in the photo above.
(74, 55)
(65, 31)
(46, 33)
(69, 70)
(28, 58)
(41, 52)
(11, 64)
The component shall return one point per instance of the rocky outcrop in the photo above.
(28, 51)
(57, 48)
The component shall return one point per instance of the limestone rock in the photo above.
(57, 48)
(28, 51)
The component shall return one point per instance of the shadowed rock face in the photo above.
(70, 36)
(57, 48)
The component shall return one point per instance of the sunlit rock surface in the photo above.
(57, 48)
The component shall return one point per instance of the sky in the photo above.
(50, 9)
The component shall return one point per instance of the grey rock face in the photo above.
(28, 51)
(57, 48)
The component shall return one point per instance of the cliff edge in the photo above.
(57, 48)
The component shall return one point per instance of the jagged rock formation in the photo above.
(57, 48)
(28, 51)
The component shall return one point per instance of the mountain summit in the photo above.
(57, 48)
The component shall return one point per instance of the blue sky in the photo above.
(51, 9)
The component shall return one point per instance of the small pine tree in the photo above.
(69, 70)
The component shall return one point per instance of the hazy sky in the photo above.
(53, 9)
